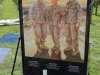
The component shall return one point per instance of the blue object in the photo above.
(9, 38)
(3, 53)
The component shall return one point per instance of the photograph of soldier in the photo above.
(37, 17)
(73, 17)
(54, 15)
(55, 29)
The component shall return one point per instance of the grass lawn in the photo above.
(9, 30)
(9, 10)
(6, 65)
(94, 64)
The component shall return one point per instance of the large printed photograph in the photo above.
(55, 29)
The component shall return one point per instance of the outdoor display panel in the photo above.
(54, 36)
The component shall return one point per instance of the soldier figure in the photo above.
(54, 15)
(37, 17)
(73, 15)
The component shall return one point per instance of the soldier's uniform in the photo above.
(53, 16)
(37, 15)
(73, 16)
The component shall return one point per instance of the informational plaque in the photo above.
(55, 36)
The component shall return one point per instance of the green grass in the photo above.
(94, 30)
(95, 18)
(6, 65)
(9, 30)
(94, 64)
(9, 10)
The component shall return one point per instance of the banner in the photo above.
(55, 36)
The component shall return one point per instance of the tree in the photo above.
(15, 1)
(1, 1)
(95, 4)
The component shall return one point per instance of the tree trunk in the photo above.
(96, 10)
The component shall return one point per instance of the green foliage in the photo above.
(1, 1)
(96, 4)
(16, 1)
(9, 10)
(96, 18)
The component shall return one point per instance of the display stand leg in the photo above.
(15, 56)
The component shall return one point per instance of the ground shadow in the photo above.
(71, 58)
(56, 56)
(44, 54)
(93, 24)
